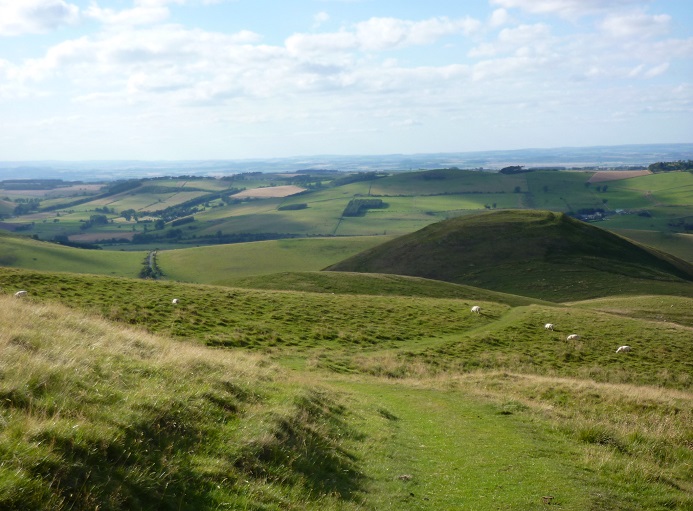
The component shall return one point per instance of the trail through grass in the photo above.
(448, 451)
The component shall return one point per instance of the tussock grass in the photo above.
(97, 416)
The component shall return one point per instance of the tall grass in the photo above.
(97, 416)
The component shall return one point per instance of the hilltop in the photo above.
(541, 254)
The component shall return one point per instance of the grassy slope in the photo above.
(97, 416)
(225, 263)
(376, 284)
(679, 245)
(23, 252)
(229, 430)
(533, 253)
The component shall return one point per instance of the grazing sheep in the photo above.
(476, 309)
(573, 337)
(21, 293)
(174, 301)
(548, 326)
(623, 349)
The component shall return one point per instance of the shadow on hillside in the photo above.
(303, 449)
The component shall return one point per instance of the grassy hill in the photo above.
(23, 252)
(225, 264)
(532, 253)
(375, 284)
(304, 400)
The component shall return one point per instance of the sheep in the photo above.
(21, 293)
(623, 349)
(174, 301)
(573, 337)
(476, 309)
(548, 326)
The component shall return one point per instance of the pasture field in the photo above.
(656, 202)
(680, 245)
(224, 264)
(445, 181)
(562, 191)
(26, 253)
(338, 401)
(659, 218)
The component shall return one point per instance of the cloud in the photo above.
(499, 17)
(565, 8)
(656, 70)
(523, 39)
(381, 34)
(320, 18)
(635, 24)
(140, 15)
(35, 16)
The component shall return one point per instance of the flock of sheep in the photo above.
(572, 337)
(476, 310)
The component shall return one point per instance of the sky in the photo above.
(235, 79)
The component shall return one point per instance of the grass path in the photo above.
(447, 451)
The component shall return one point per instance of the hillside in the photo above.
(23, 252)
(531, 253)
(307, 400)
(375, 284)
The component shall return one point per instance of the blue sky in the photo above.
(230, 79)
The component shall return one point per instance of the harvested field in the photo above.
(613, 175)
(269, 192)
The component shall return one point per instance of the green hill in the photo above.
(110, 399)
(24, 252)
(375, 284)
(531, 253)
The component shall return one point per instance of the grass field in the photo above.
(680, 245)
(26, 253)
(338, 401)
(224, 264)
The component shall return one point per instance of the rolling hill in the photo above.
(113, 397)
(531, 253)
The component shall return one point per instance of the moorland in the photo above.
(272, 384)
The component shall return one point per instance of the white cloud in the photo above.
(657, 70)
(140, 15)
(35, 16)
(381, 34)
(320, 18)
(523, 39)
(566, 8)
(635, 24)
(499, 17)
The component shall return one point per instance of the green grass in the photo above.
(545, 255)
(440, 409)
(225, 264)
(677, 244)
(22, 252)
(375, 284)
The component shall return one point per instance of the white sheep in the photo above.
(476, 309)
(573, 337)
(548, 326)
(623, 349)
(21, 293)
(174, 301)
